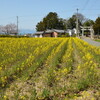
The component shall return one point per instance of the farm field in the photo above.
(49, 69)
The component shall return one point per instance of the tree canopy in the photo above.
(9, 29)
(51, 21)
(71, 22)
(88, 22)
(97, 26)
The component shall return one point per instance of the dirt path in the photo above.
(90, 41)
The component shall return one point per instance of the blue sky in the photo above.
(30, 12)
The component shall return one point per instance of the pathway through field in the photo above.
(90, 41)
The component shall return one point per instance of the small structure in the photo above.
(74, 31)
(54, 33)
(88, 28)
(12, 34)
(28, 34)
(71, 31)
(49, 33)
(38, 34)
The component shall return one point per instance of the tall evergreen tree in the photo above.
(51, 21)
(97, 26)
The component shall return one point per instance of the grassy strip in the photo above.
(97, 40)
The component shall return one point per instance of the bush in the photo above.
(67, 35)
(10, 36)
(74, 35)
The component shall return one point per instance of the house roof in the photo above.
(40, 32)
(54, 30)
(59, 31)
(50, 31)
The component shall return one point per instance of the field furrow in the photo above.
(49, 69)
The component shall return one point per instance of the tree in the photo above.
(61, 24)
(88, 22)
(96, 26)
(9, 29)
(40, 26)
(51, 21)
(1, 29)
(71, 22)
(81, 18)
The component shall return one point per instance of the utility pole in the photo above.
(77, 26)
(17, 25)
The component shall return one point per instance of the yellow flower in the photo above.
(57, 78)
(65, 70)
(5, 97)
(5, 77)
(0, 68)
(93, 98)
(22, 97)
(78, 67)
(3, 85)
(18, 69)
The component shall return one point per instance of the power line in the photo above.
(94, 3)
(85, 5)
(7, 18)
(90, 9)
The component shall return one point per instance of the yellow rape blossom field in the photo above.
(49, 69)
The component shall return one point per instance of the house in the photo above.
(49, 33)
(53, 33)
(38, 34)
(71, 31)
(74, 31)
(28, 34)
(13, 34)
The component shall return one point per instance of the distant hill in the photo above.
(26, 31)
